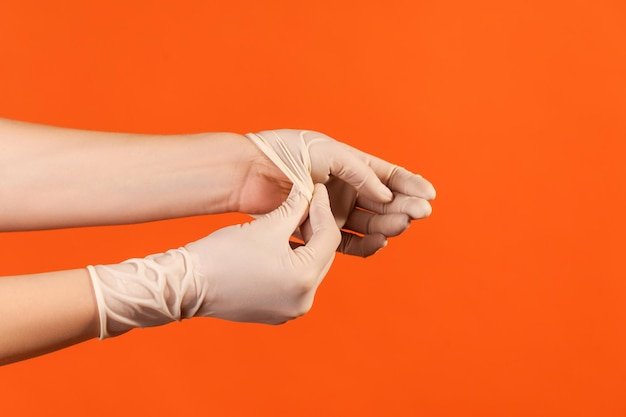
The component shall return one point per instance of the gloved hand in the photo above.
(246, 272)
(370, 198)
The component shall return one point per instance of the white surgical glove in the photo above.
(245, 273)
(371, 199)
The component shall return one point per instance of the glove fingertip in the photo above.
(384, 193)
(320, 194)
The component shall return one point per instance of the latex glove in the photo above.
(371, 199)
(246, 272)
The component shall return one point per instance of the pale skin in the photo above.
(115, 178)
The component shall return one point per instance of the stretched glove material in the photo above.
(246, 272)
(289, 151)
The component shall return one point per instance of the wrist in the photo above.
(146, 292)
(225, 161)
(219, 171)
(263, 187)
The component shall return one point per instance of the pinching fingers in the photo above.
(325, 237)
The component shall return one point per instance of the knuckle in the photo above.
(302, 308)
(302, 296)
(303, 285)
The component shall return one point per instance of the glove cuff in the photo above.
(292, 159)
(145, 292)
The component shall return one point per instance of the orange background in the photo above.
(509, 301)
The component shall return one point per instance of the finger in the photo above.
(305, 231)
(397, 178)
(414, 207)
(356, 172)
(323, 273)
(355, 245)
(367, 223)
(408, 183)
(289, 215)
(362, 246)
(309, 297)
(322, 244)
(342, 197)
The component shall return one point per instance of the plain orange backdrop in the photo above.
(509, 301)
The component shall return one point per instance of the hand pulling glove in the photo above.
(245, 272)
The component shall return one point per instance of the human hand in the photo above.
(246, 272)
(371, 198)
(254, 273)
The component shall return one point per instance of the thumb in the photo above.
(323, 243)
(289, 215)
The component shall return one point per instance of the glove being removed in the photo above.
(371, 199)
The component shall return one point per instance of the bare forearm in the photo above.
(54, 177)
(41, 313)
